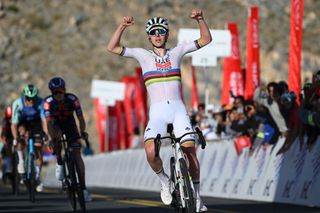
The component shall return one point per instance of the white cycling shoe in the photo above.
(39, 187)
(87, 196)
(165, 193)
(200, 207)
(59, 172)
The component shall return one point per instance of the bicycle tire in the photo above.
(187, 190)
(81, 200)
(32, 179)
(15, 178)
(70, 187)
(176, 200)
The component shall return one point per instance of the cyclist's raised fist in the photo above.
(196, 14)
(127, 21)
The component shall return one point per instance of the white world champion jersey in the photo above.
(161, 75)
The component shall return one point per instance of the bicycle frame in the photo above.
(31, 169)
(31, 153)
(184, 198)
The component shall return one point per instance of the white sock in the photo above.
(38, 172)
(163, 177)
(20, 156)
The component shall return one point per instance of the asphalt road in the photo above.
(121, 201)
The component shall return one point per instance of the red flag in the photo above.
(129, 105)
(112, 129)
(253, 62)
(294, 75)
(194, 91)
(122, 126)
(101, 114)
(232, 72)
(141, 99)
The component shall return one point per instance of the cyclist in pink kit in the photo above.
(162, 77)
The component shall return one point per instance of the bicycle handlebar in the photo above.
(158, 139)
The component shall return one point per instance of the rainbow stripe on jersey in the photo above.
(158, 76)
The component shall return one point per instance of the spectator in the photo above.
(309, 112)
(291, 109)
(261, 97)
(209, 124)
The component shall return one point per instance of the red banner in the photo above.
(294, 75)
(232, 72)
(129, 105)
(112, 129)
(194, 91)
(122, 125)
(253, 63)
(101, 115)
(141, 99)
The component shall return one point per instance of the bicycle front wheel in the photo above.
(32, 179)
(80, 194)
(69, 184)
(187, 189)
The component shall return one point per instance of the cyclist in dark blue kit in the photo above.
(59, 108)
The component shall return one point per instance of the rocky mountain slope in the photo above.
(42, 39)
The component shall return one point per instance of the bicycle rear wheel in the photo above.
(187, 189)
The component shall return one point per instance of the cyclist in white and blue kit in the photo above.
(162, 77)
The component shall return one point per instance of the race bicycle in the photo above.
(71, 181)
(183, 190)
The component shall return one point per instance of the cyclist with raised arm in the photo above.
(28, 118)
(59, 108)
(162, 77)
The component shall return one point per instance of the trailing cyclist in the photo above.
(6, 137)
(59, 108)
(162, 77)
(28, 120)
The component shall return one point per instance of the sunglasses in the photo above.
(57, 92)
(30, 99)
(160, 32)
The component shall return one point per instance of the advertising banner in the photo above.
(101, 116)
(294, 72)
(232, 72)
(252, 75)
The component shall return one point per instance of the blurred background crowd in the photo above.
(274, 112)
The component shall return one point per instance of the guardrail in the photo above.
(292, 177)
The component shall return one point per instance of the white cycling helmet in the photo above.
(157, 22)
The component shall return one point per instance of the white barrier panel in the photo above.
(292, 177)
(308, 187)
(270, 178)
